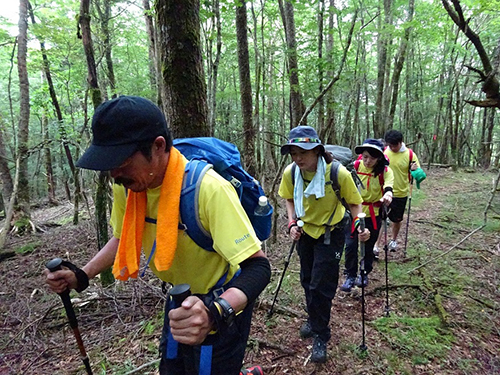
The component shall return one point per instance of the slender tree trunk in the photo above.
(329, 127)
(183, 79)
(297, 106)
(214, 68)
(383, 38)
(321, 72)
(5, 176)
(398, 66)
(105, 16)
(51, 184)
(256, 112)
(102, 185)
(150, 30)
(245, 88)
(23, 196)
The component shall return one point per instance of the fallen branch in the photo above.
(266, 305)
(438, 299)
(142, 367)
(447, 251)
(271, 345)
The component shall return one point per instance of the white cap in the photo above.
(262, 200)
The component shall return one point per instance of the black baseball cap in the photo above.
(118, 127)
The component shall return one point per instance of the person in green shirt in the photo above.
(306, 188)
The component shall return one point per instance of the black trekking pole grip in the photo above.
(53, 266)
(179, 293)
(300, 224)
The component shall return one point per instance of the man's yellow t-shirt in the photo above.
(221, 214)
(319, 211)
(400, 165)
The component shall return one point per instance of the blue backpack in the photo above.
(204, 153)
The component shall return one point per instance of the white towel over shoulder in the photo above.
(316, 187)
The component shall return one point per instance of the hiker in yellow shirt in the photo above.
(377, 178)
(132, 141)
(402, 161)
(307, 187)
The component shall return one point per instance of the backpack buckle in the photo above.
(235, 182)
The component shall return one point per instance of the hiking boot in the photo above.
(306, 330)
(255, 370)
(393, 245)
(318, 351)
(348, 284)
(358, 281)
(376, 252)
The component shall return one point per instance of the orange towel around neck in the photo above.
(129, 250)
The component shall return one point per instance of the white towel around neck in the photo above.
(316, 187)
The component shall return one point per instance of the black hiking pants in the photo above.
(319, 276)
(351, 248)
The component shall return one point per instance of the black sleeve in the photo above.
(255, 275)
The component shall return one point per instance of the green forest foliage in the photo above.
(430, 107)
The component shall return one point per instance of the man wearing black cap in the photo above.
(377, 179)
(311, 198)
(132, 141)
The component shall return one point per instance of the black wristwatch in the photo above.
(222, 312)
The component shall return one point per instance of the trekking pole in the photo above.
(387, 309)
(361, 217)
(300, 224)
(408, 215)
(53, 266)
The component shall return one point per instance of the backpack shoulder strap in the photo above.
(189, 210)
(410, 156)
(334, 178)
(294, 167)
(357, 162)
(381, 179)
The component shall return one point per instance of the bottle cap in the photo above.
(262, 200)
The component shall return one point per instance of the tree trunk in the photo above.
(297, 106)
(51, 183)
(329, 127)
(321, 73)
(5, 176)
(383, 38)
(213, 67)
(23, 196)
(398, 66)
(183, 82)
(150, 30)
(102, 185)
(245, 89)
(259, 68)
(105, 16)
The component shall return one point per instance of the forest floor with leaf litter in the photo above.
(444, 317)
